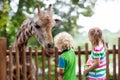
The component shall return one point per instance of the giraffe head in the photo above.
(44, 24)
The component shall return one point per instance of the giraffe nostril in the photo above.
(50, 45)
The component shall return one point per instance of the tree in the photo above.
(5, 21)
(70, 13)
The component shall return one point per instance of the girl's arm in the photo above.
(93, 66)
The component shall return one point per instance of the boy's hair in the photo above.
(96, 34)
(63, 41)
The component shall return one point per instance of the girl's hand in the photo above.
(85, 72)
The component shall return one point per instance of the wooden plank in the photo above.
(31, 64)
(11, 64)
(107, 64)
(24, 64)
(17, 65)
(36, 61)
(86, 51)
(43, 64)
(114, 62)
(56, 63)
(40, 52)
(49, 68)
(3, 48)
(86, 54)
(79, 64)
(119, 59)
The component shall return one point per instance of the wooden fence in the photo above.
(40, 57)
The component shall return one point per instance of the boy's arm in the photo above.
(61, 65)
(60, 71)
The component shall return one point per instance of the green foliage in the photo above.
(75, 1)
(5, 23)
(70, 13)
(4, 12)
(87, 12)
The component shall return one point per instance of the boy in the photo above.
(67, 60)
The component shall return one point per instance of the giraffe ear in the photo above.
(57, 21)
(49, 8)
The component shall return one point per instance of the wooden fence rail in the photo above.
(45, 67)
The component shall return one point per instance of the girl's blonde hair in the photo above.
(63, 41)
(96, 34)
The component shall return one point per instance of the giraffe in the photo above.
(39, 26)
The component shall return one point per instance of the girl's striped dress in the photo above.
(99, 73)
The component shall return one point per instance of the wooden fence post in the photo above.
(49, 68)
(3, 47)
(17, 64)
(86, 51)
(107, 64)
(56, 63)
(79, 63)
(31, 64)
(114, 62)
(24, 64)
(119, 59)
(36, 61)
(11, 63)
(43, 64)
(86, 54)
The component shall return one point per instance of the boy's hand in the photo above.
(60, 71)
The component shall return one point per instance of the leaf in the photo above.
(75, 2)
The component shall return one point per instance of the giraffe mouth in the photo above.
(49, 48)
(49, 51)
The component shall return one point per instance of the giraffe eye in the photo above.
(37, 26)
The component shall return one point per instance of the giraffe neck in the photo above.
(24, 33)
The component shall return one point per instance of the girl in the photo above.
(67, 60)
(96, 69)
